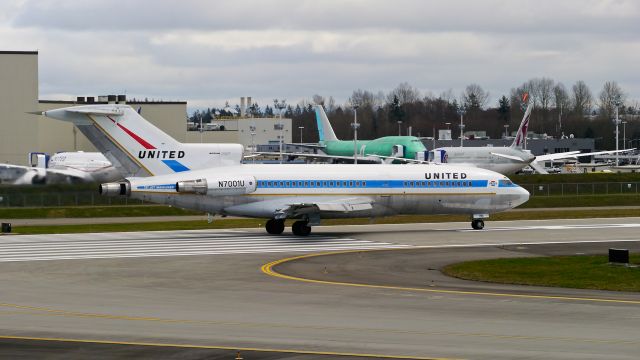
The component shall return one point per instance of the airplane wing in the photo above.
(345, 205)
(510, 157)
(392, 158)
(538, 168)
(70, 173)
(26, 174)
(575, 154)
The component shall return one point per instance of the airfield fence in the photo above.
(48, 199)
(92, 198)
(577, 189)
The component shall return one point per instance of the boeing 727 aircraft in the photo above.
(307, 193)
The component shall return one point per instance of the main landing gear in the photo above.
(477, 224)
(299, 228)
(275, 227)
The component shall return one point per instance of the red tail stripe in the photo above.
(135, 137)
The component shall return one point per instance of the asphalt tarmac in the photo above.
(377, 303)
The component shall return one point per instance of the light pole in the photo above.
(252, 128)
(617, 122)
(300, 127)
(624, 135)
(355, 127)
(506, 131)
(461, 111)
(280, 105)
(399, 127)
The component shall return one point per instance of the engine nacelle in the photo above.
(115, 189)
(218, 186)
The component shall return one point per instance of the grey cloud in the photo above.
(544, 16)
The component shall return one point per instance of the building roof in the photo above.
(18, 52)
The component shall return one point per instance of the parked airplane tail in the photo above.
(325, 131)
(521, 135)
(138, 148)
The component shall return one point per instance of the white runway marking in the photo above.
(556, 227)
(168, 243)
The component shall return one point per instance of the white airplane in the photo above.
(505, 160)
(307, 193)
(63, 167)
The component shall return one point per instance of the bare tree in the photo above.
(405, 94)
(582, 98)
(611, 96)
(542, 90)
(474, 97)
(362, 98)
(561, 100)
(318, 99)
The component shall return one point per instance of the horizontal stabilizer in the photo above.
(95, 111)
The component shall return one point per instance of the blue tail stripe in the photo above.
(175, 165)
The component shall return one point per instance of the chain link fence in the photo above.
(577, 189)
(49, 199)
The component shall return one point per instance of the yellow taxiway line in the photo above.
(216, 347)
(269, 270)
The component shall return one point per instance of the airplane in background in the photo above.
(506, 160)
(307, 193)
(63, 167)
(376, 151)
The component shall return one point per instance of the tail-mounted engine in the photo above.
(115, 189)
(221, 186)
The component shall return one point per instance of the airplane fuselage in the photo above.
(381, 146)
(489, 158)
(262, 190)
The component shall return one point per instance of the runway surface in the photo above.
(222, 300)
(168, 243)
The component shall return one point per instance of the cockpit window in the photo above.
(505, 183)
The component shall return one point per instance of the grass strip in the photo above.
(579, 272)
(259, 223)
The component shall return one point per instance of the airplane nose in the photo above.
(523, 196)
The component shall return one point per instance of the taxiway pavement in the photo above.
(222, 299)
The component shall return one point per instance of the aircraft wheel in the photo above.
(275, 227)
(300, 228)
(477, 224)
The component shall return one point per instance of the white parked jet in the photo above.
(505, 160)
(63, 167)
(307, 193)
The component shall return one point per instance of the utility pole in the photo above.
(355, 127)
(624, 135)
(280, 105)
(617, 122)
(461, 126)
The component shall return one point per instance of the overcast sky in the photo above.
(206, 52)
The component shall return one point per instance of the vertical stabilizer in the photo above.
(521, 135)
(138, 148)
(325, 131)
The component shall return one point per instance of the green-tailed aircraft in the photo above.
(384, 149)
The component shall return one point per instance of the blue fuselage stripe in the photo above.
(371, 184)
